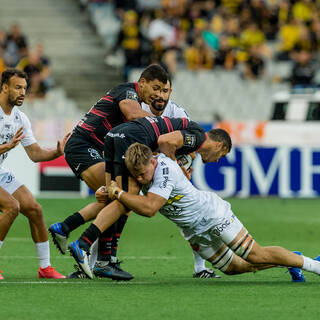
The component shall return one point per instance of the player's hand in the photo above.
(113, 190)
(16, 138)
(102, 195)
(61, 145)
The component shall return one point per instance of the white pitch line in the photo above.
(124, 258)
(76, 282)
(16, 239)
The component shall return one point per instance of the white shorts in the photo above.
(223, 232)
(8, 181)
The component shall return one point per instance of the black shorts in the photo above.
(81, 154)
(116, 143)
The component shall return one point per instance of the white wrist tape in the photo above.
(120, 193)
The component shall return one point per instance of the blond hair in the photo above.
(137, 156)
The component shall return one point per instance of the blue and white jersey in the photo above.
(9, 125)
(172, 110)
(192, 210)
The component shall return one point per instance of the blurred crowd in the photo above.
(209, 34)
(15, 52)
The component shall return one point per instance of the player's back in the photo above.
(106, 113)
(147, 131)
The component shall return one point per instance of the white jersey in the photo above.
(9, 125)
(172, 110)
(192, 210)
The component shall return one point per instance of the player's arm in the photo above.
(131, 109)
(37, 154)
(169, 143)
(13, 142)
(147, 205)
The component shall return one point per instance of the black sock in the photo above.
(105, 242)
(91, 234)
(119, 225)
(72, 223)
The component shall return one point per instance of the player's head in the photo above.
(140, 162)
(14, 86)
(217, 145)
(155, 86)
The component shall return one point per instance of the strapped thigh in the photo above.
(223, 260)
(243, 246)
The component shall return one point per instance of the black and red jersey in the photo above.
(152, 127)
(106, 113)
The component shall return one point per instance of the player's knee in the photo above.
(12, 209)
(34, 210)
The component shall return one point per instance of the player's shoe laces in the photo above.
(1, 277)
(78, 274)
(296, 273)
(49, 273)
(206, 273)
(81, 257)
(111, 270)
(59, 238)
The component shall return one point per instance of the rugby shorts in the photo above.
(223, 231)
(8, 181)
(81, 154)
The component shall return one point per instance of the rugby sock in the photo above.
(105, 242)
(311, 265)
(72, 222)
(119, 225)
(199, 263)
(1, 243)
(91, 234)
(43, 253)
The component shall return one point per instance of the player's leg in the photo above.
(200, 270)
(238, 239)
(273, 255)
(9, 207)
(219, 245)
(30, 208)
(111, 268)
(87, 164)
(106, 217)
(211, 247)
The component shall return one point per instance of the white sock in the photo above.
(199, 263)
(1, 243)
(43, 253)
(311, 265)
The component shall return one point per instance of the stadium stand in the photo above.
(184, 35)
(178, 35)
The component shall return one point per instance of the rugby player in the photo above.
(83, 153)
(172, 136)
(15, 197)
(205, 220)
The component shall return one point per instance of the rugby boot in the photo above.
(78, 274)
(296, 273)
(81, 257)
(206, 273)
(49, 273)
(111, 270)
(59, 238)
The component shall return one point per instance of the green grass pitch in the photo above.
(163, 288)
